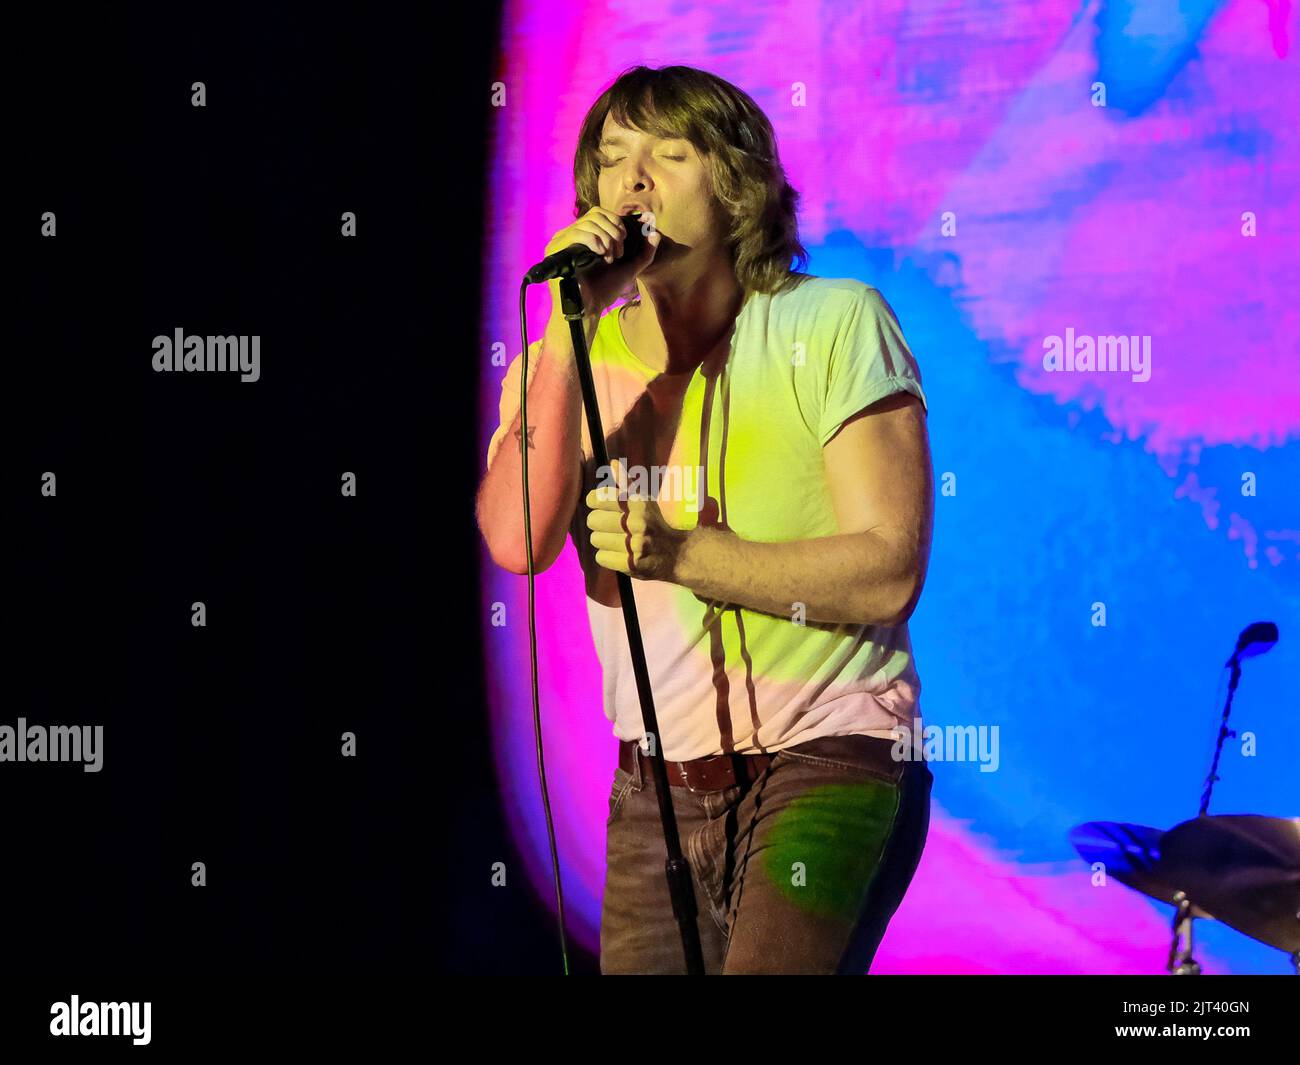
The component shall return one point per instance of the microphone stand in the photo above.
(1234, 663)
(1181, 962)
(677, 869)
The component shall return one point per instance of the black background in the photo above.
(325, 614)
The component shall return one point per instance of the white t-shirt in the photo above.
(727, 679)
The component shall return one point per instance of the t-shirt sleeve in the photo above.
(868, 360)
(508, 405)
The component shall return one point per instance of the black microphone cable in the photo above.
(532, 620)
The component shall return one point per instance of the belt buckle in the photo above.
(705, 787)
(687, 782)
(680, 775)
(676, 777)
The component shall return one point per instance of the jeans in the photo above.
(798, 871)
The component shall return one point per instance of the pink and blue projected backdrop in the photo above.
(1003, 173)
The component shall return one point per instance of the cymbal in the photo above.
(1131, 854)
(1244, 869)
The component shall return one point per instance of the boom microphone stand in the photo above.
(1254, 640)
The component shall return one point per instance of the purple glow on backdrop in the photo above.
(1068, 215)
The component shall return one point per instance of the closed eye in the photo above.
(601, 162)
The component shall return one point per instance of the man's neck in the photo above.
(677, 324)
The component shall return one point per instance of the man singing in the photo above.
(780, 419)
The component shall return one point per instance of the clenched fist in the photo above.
(631, 535)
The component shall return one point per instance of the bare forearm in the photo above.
(554, 441)
(859, 578)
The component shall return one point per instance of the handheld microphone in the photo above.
(577, 258)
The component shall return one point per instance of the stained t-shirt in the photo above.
(738, 442)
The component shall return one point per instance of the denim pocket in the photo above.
(622, 785)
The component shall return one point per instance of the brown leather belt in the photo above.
(714, 773)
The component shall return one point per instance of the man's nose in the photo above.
(635, 178)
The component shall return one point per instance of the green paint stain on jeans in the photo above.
(823, 848)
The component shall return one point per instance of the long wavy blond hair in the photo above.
(738, 145)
